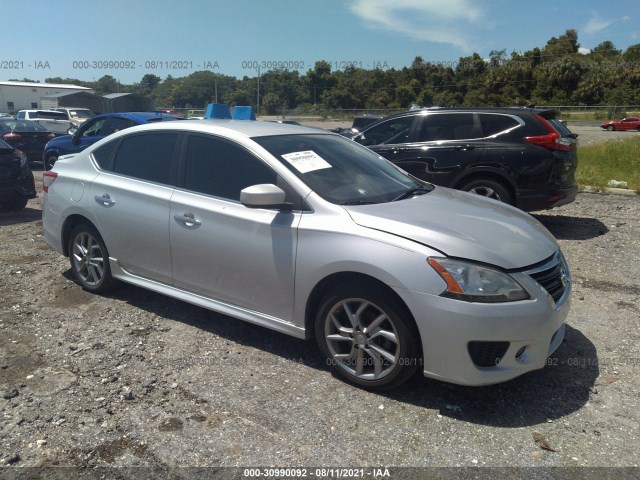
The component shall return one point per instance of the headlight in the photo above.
(475, 283)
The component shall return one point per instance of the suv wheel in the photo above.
(17, 203)
(491, 189)
(368, 338)
(89, 259)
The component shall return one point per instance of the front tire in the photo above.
(49, 162)
(611, 128)
(490, 189)
(14, 204)
(367, 336)
(90, 260)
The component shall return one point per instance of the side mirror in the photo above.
(264, 196)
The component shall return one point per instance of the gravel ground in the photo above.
(138, 379)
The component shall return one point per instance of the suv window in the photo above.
(50, 115)
(219, 168)
(390, 132)
(20, 115)
(494, 124)
(147, 156)
(447, 126)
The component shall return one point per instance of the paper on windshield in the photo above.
(306, 161)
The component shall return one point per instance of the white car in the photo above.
(310, 234)
(77, 116)
(54, 121)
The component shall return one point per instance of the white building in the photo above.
(16, 96)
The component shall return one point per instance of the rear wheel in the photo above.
(368, 337)
(90, 260)
(13, 204)
(611, 128)
(490, 189)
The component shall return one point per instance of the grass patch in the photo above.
(612, 160)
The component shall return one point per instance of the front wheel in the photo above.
(490, 189)
(367, 336)
(611, 128)
(14, 204)
(49, 162)
(90, 260)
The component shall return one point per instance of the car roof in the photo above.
(143, 117)
(244, 128)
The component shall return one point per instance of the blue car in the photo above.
(96, 128)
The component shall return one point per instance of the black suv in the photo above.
(17, 185)
(522, 156)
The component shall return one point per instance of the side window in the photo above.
(94, 128)
(102, 155)
(114, 124)
(388, 133)
(219, 168)
(147, 156)
(447, 126)
(20, 115)
(493, 124)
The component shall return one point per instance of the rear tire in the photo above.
(90, 259)
(490, 189)
(367, 336)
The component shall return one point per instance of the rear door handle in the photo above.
(105, 199)
(187, 219)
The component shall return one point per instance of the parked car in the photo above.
(523, 157)
(310, 234)
(17, 184)
(628, 123)
(77, 116)
(56, 122)
(96, 129)
(25, 135)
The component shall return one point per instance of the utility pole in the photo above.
(258, 100)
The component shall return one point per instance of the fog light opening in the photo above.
(520, 352)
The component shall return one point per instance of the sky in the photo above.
(130, 38)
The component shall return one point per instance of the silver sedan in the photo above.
(313, 235)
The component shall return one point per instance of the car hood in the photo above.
(61, 140)
(463, 225)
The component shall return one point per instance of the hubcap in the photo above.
(486, 192)
(362, 339)
(88, 260)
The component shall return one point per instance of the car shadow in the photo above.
(561, 388)
(572, 228)
(25, 215)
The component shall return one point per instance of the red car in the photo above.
(629, 123)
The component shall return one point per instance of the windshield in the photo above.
(339, 170)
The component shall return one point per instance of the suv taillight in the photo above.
(553, 140)
(47, 179)
(12, 136)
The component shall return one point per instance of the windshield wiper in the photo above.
(412, 192)
(357, 202)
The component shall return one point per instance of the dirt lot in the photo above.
(138, 379)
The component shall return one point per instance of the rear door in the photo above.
(131, 201)
(446, 146)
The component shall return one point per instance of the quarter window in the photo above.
(219, 168)
(147, 156)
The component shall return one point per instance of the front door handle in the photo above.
(105, 199)
(464, 148)
(187, 219)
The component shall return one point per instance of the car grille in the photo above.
(487, 354)
(552, 280)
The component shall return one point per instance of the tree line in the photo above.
(557, 74)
